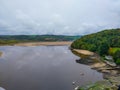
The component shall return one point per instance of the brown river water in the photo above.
(43, 68)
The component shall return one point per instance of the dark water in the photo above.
(42, 68)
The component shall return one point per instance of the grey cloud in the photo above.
(67, 17)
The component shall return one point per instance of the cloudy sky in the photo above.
(60, 17)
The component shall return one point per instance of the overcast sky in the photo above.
(60, 17)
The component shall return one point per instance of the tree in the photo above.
(116, 56)
(103, 49)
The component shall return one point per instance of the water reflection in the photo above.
(42, 68)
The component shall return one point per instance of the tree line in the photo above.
(100, 42)
(12, 39)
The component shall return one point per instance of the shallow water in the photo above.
(43, 68)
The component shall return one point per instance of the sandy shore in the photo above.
(84, 52)
(44, 43)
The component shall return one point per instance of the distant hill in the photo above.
(11, 39)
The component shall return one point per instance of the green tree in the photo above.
(116, 57)
(103, 49)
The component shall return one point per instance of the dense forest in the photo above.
(104, 43)
(11, 39)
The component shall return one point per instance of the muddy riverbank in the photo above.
(111, 74)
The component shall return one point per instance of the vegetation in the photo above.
(113, 50)
(100, 85)
(12, 39)
(116, 57)
(104, 43)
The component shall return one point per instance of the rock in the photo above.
(73, 83)
(81, 74)
(98, 65)
(76, 88)
(111, 63)
(114, 80)
(105, 71)
(2, 88)
(110, 58)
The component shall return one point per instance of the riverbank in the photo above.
(62, 43)
(85, 52)
(111, 74)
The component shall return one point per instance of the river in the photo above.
(43, 68)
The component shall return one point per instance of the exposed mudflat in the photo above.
(44, 43)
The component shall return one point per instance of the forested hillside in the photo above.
(101, 42)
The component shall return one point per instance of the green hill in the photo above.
(102, 43)
(11, 39)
